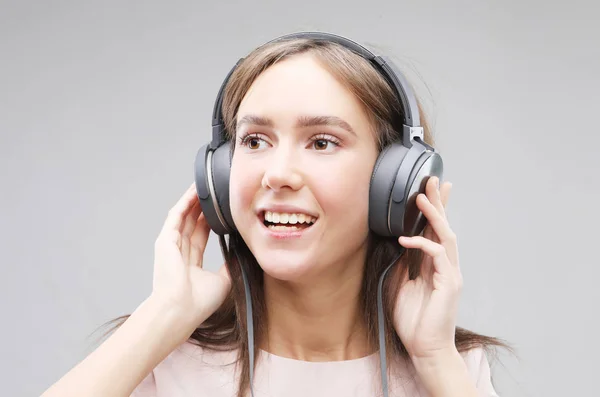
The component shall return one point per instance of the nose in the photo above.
(282, 171)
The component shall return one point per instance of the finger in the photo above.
(177, 213)
(440, 226)
(198, 241)
(438, 195)
(445, 193)
(188, 228)
(451, 243)
(435, 219)
(189, 223)
(433, 194)
(436, 251)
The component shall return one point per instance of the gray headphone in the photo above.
(400, 173)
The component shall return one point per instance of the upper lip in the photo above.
(290, 209)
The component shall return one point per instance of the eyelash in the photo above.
(320, 137)
(325, 137)
(245, 138)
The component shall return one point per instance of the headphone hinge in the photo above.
(410, 133)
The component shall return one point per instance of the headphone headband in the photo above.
(384, 65)
(400, 173)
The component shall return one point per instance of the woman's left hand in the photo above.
(426, 309)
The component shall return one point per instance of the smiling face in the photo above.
(300, 173)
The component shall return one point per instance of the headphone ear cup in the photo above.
(426, 165)
(221, 173)
(399, 176)
(212, 170)
(382, 183)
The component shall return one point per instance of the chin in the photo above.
(285, 265)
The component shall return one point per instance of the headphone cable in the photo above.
(380, 319)
(381, 323)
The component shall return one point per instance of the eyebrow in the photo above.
(302, 121)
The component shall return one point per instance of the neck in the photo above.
(320, 320)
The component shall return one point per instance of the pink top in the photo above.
(193, 371)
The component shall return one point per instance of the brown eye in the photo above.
(324, 143)
(321, 144)
(254, 143)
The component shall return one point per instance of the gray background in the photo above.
(103, 106)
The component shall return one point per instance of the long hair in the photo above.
(226, 328)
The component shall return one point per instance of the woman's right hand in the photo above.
(183, 296)
(179, 278)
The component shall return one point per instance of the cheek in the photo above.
(345, 194)
(243, 184)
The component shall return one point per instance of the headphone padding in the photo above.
(212, 186)
(221, 170)
(382, 183)
(203, 174)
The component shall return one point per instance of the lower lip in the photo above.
(286, 235)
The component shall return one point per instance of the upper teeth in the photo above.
(282, 217)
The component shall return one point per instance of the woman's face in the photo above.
(300, 174)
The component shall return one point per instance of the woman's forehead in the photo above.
(299, 91)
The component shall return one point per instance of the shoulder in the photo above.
(190, 353)
(478, 365)
(191, 369)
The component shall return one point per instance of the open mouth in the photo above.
(278, 221)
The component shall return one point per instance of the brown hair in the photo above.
(226, 328)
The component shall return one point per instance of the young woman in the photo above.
(307, 121)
